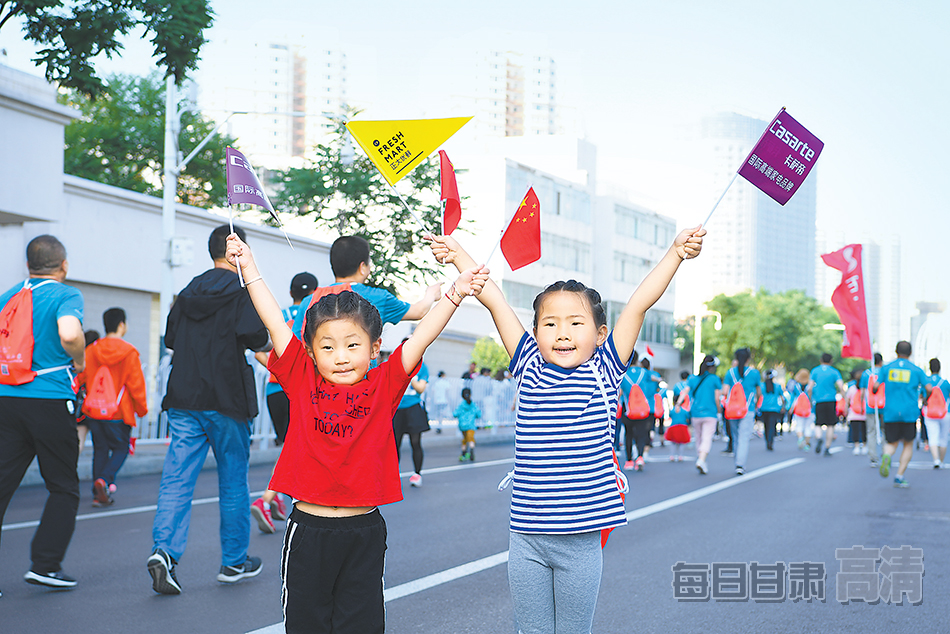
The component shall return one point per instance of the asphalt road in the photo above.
(448, 542)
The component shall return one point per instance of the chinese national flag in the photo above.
(521, 242)
(450, 194)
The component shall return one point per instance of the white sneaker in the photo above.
(857, 451)
(415, 480)
(864, 450)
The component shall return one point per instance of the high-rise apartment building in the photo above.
(282, 83)
(514, 94)
(754, 242)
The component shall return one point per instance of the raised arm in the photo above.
(447, 250)
(470, 282)
(239, 254)
(424, 305)
(687, 245)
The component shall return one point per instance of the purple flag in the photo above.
(243, 185)
(782, 159)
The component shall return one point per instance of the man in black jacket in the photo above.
(210, 399)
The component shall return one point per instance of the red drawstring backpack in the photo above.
(16, 338)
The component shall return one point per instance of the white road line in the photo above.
(151, 507)
(130, 511)
(430, 581)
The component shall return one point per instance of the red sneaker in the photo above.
(278, 510)
(262, 514)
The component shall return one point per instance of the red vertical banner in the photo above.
(848, 300)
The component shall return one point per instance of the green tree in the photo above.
(782, 330)
(488, 353)
(71, 33)
(118, 140)
(343, 192)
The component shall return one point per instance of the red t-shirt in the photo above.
(340, 449)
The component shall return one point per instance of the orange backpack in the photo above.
(857, 403)
(936, 403)
(839, 407)
(658, 409)
(102, 401)
(686, 403)
(802, 406)
(876, 400)
(737, 405)
(321, 291)
(16, 338)
(637, 406)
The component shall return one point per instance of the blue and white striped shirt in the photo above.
(564, 478)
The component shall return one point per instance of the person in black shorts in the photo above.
(901, 381)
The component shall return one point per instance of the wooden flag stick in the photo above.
(734, 177)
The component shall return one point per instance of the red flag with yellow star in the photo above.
(521, 242)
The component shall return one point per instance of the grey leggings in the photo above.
(554, 581)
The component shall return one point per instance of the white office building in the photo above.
(604, 242)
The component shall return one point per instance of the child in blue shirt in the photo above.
(467, 412)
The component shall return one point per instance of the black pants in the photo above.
(411, 421)
(278, 406)
(859, 431)
(110, 448)
(770, 421)
(730, 448)
(332, 572)
(46, 429)
(639, 431)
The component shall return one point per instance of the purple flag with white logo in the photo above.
(782, 159)
(243, 184)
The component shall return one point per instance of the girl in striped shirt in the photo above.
(566, 491)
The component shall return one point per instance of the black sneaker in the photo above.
(50, 579)
(818, 446)
(232, 574)
(162, 568)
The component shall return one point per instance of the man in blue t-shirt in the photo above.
(823, 390)
(902, 381)
(351, 264)
(873, 414)
(38, 418)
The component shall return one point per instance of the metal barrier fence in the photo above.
(495, 399)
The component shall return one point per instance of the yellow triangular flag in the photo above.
(398, 147)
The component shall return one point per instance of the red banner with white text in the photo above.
(848, 300)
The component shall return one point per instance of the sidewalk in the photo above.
(149, 458)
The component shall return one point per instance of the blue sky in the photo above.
(868, 78)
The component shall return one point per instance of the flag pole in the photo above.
(237, 259)
(409, 209)
(734, 177)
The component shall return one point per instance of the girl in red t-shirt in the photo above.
(339, 456)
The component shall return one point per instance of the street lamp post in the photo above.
(698, 335)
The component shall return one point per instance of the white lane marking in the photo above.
(130, 511)
(709, 490)
(430, 581)
(152, 507)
